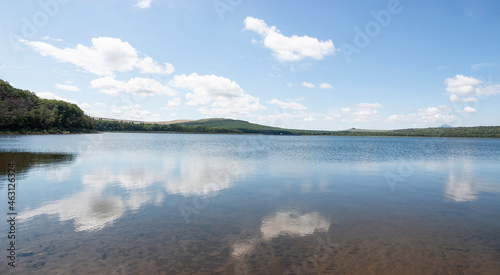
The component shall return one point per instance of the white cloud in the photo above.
(137, 85)
(481, 65)
(133, 113)
(86, 107)
(332, 117)
(149, 66)
(144, 4)
(369, 105)
(292, 48)
(288, 105)
(431, 115)
(309, 118)
(466, 89)
(53, 39)
(49, 95)
(127, 112)
(66, 87)
(461, 85)
(325, 85)
(174, 102)
(307, 84)
(106, 56)
(469, 110)
(488, 90)
(216, 95)
(455, 98)
(364, 112)
(289, 85)
(345, 109)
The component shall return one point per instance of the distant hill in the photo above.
(246, 127)
(23, 112)
(140, 122)
(241, 125)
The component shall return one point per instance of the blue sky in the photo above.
(297, 64)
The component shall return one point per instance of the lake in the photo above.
(120, 203)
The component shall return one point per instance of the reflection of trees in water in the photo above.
(26, 161)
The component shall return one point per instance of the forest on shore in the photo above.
(23, 112)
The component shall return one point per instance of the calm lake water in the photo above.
(119, 203)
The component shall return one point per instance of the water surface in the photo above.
(233, 204)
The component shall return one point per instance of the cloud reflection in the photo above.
(202, 177)
(466, 185)
(290, 223)
(139, 184)
(88, 210)
(460, 189)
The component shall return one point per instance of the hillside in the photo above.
(247, 127)
(139, 122)
(241, 125)
(21, 111)
(231, 126)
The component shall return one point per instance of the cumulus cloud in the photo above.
(216, 95)
(50, 95)
(174, 102)
(461, 85)
(144, 4)
(293, 48)
(126, 112)
(430, 115)
(325, 85)
(106, 56)
(345, 109)
(149, 66)
(456, 98)
(138, 86)
(309, 118)
(135, 112)
(469, 110)
(364, 112)
(288, 105)
(466, 89)
(66, 87)
(308, 84)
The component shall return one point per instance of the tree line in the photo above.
(21, 111)
(102, 125)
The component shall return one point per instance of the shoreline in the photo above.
(251, 134)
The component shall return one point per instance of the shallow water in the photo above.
(231, 204)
